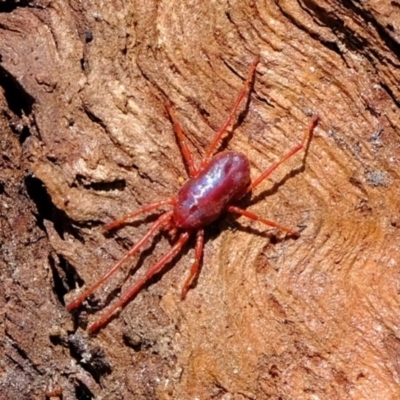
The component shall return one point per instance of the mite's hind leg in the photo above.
(135, 289)
(159, 224)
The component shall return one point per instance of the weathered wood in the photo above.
(86, 139)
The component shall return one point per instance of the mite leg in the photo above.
(186, 153)
(119, 222)
(135, 289)
(162, 221)
(228, 121)
(255, 217)
(198, 252)
(292, 152)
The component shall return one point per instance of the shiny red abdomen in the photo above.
(202, 199)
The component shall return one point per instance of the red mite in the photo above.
(212, 188)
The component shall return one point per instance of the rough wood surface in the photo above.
(85, 139)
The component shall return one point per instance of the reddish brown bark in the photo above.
(86, 138)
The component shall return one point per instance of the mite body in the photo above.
(204, 198)
(212, 188)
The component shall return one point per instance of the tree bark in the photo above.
(85, 139)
